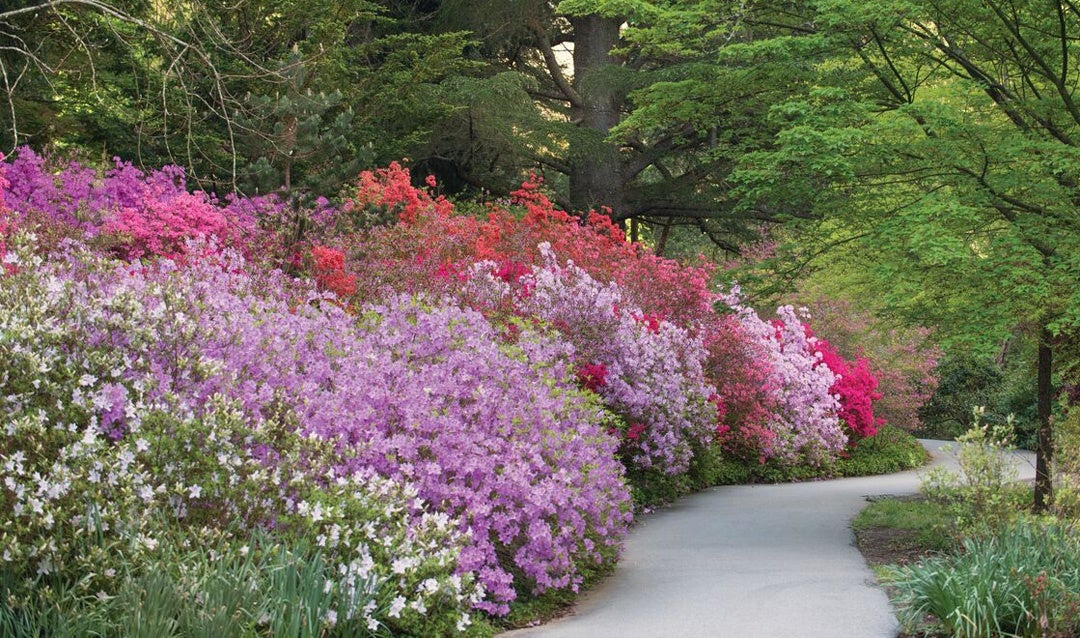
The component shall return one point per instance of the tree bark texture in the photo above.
(595, 176)
(1044, 447)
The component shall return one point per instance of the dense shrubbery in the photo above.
(774, 397)
(439, 414)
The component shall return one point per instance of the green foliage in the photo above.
(1023, 580)
(963, 381)
(890, 450)
(298, 138)
(1067, 446)
(982, 494)
(732, 472)
(210, 585)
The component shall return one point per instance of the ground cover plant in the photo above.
(403, 429)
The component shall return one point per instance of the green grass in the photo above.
(929, 522)
(909, 514)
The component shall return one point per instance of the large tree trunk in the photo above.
(1044, 447)
(595, 176)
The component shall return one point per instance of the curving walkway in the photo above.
(748, 561)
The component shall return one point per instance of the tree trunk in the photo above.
(595, 176)
(661, 243)
(1044, 447)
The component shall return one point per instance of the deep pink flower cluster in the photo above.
(901, 359)
(855, 388)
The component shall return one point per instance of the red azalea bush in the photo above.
(739, 369)
(329, 271)
(431, 246)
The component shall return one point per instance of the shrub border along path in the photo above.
(749, 561)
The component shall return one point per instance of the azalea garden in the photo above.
(393, 317)
(436, 417)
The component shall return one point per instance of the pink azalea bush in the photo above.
(805, 427)
(855, 388)
(133, 213)
(903, 360)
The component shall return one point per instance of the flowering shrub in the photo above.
(903, 360)
(498, 433)
(133, 213)
(98, 464)
(647, 371)
(390, 189)
(97, 382)
(495, 436)
(805, 426)
(740, 369)
(645, 367)
(431, 247)
(855, 388)
(159, 225)
(765, 403)
(330, 272)
(449, 410)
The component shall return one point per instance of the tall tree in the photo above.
(238, 92)
(616, 113)
(942, 138)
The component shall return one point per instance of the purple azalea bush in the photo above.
(653, 369)
(423, 392)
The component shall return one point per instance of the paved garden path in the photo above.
(748, 561)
